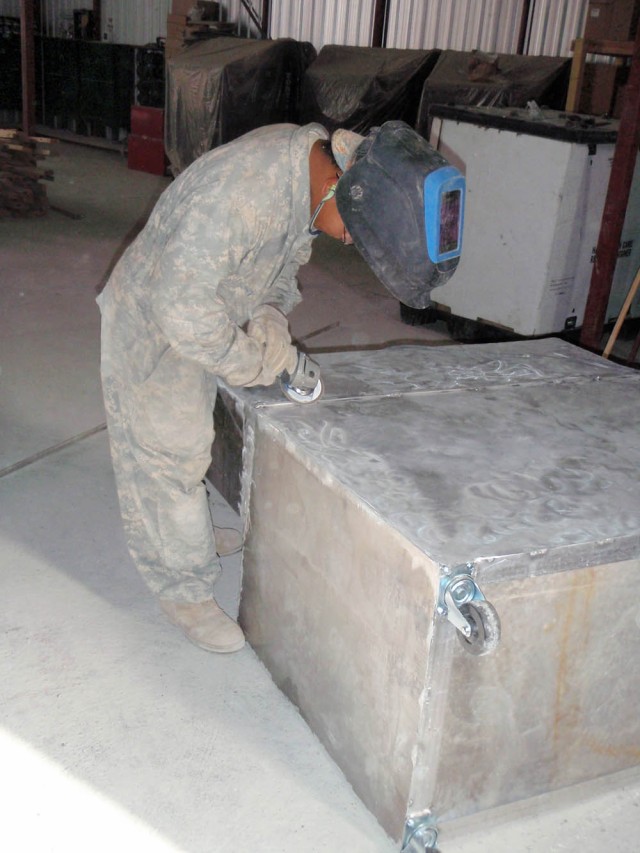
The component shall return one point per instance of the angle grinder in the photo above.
(301, 383)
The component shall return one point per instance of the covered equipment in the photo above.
(224, 87)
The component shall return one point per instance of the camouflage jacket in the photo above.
(228, 235)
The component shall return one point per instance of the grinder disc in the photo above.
(297, 396)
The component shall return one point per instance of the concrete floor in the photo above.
(115, 731)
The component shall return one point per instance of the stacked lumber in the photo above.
(189, 21)
(21, 193)
(178, 21)
(176, 32)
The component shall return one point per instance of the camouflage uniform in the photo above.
(228, 235)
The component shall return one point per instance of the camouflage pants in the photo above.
(160, 434)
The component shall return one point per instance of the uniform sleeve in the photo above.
(284, 293)
(203, 249)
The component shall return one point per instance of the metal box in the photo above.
(511, 467)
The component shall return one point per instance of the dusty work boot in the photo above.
(228, 540)
(205, 624)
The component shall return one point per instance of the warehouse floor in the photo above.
(115, 731)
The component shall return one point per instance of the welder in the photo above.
(202, 295)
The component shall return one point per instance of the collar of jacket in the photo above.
(301, 143)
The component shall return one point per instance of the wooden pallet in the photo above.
(21, 192)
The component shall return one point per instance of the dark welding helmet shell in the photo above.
(381, 201)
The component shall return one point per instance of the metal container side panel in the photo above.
(600, 171)
(340, 609)
(515, 188)
(577, 223)
(554, 705)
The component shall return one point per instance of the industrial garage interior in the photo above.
(114, 730)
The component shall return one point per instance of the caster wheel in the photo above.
(485, 627)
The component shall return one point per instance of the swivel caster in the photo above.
(420, 835)
(485, 627)
(475, 619)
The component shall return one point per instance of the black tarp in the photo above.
(220, 88)
(362, 87)
(496, 80)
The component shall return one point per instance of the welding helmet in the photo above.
(402, 203)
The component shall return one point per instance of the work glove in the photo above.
(269, 374)
(269, 328)
(272, 327)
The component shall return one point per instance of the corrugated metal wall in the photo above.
(57, 17)
(553, 26)
(323, 21)
(10, 8)
(135, 22)
(233, 10)
(138, 22)
(490, 25)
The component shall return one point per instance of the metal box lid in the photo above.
(518, 457)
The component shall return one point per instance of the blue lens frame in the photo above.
(437, 185)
